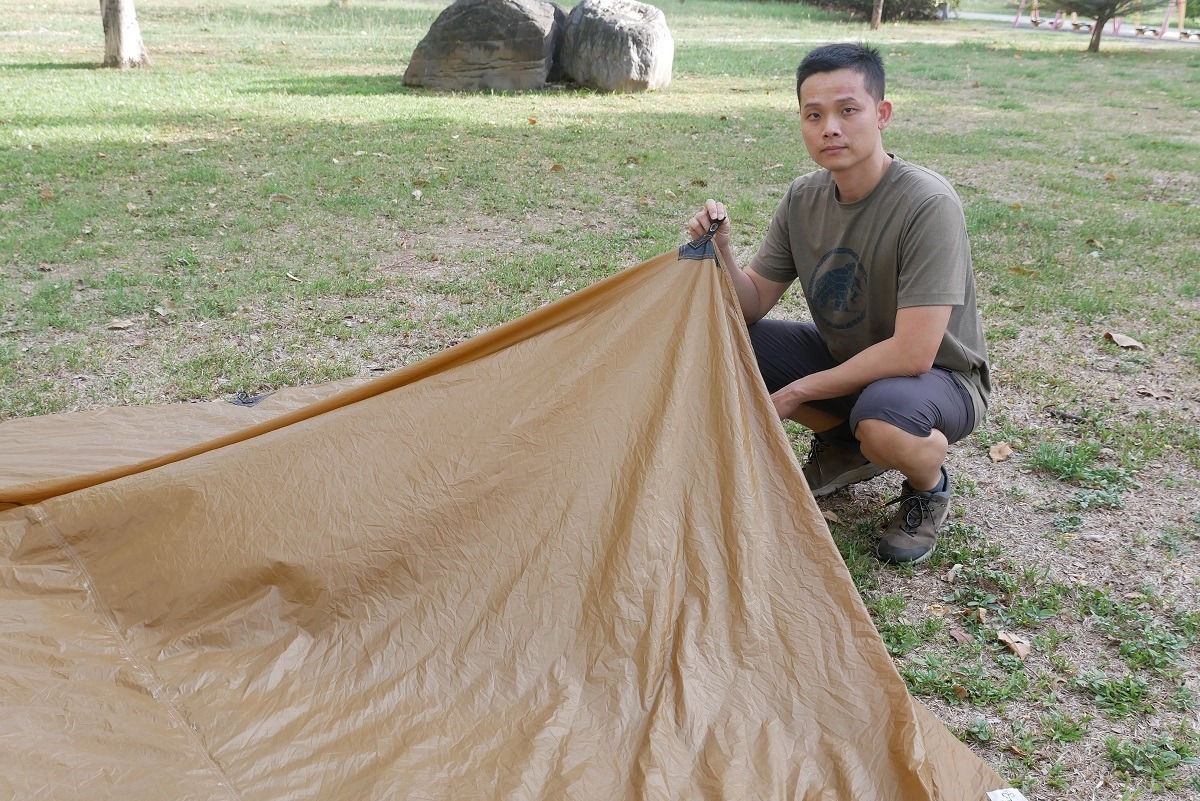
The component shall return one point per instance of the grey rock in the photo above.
(618, 46)
(488, 44)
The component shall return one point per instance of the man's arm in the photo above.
(756, 295)
(909, 351)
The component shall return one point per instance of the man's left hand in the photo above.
(787, 400)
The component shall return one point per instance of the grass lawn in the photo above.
(268, 206)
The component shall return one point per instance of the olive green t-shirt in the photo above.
(904, 244)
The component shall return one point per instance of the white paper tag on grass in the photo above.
(1007, 794)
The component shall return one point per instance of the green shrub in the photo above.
(893, 10)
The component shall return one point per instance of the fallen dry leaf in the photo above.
(978, 614)
(533, 120)
(281, 198)
(830, 516)
(669, 193)
(1096, 243)
(1108, 176)
(295, 278)
(700, 182)
(960, 692)
(1124, 341)
(557, 168)
(46, 194)
(1000, 452)
(120, 325)
(1016, 643)
(419, 182)
(951, 575)
(961, 636)
(1157, 394)
(1018, 270)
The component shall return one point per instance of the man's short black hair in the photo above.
(863, 59)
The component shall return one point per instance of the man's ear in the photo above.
(885, 113)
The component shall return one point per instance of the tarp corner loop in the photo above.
(244, 398)
(702, 247)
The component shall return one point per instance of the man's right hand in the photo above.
(756, 295)
(712, 211)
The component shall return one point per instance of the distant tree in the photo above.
(123, 47)
(887, 11)
(1104, 11)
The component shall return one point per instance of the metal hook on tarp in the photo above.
(702, 247)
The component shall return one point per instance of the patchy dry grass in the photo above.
(268, 206)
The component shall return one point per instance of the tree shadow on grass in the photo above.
(42, 65)
(348, 85)
(331, 85)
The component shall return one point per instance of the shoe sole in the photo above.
(919, 560)
(864, 473)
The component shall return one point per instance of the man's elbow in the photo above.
(919, 365)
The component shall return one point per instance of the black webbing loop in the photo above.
(702, 247)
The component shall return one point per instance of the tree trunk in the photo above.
(876, 15)
(1097, 30)
(123, 46)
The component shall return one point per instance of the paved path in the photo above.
(1127, 28)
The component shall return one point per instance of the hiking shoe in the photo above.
(911, 536)
(834, 463)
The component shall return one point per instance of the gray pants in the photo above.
(787, 351)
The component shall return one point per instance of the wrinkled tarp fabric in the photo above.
(573, 557)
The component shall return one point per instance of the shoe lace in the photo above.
(915, 508)
(814, 450)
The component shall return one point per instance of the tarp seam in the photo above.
(156, 685)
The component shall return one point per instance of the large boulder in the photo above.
(617, 46)
(488, 44)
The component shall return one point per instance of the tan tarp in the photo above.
(572, 558)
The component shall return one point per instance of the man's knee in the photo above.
(890, 446)
(882, 433)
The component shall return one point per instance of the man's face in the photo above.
(840, 120)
